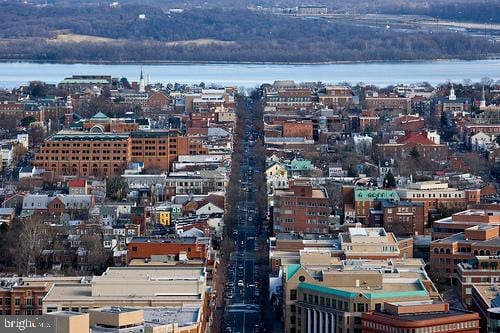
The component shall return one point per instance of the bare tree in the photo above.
(29, 244)
(97, 255)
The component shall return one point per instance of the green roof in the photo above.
(422, 292)
(300, 165)
(77, 124)
(328, 290)
(376, 194)
(291, 270)
(99, 116)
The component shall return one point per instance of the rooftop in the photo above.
(361, 194)
(176, 240)
(394, 289)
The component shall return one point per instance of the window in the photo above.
(293, 295)
(17, 301)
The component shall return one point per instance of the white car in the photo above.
(240, 283)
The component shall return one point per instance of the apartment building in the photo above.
(335, 97)
(365, 199)
(420, 317)
(159, 149)
(301, 209)
(480, 269)
(325, 297)
(104, 154)
(290, 99)
(403, 218)
(435, 194)
(447, 253)
(390, 102)
(84, 154)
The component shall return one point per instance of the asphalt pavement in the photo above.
(242, 291)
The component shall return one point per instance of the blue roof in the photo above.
(291, 270)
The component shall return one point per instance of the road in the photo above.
(243, 289)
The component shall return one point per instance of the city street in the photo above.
(243, 289)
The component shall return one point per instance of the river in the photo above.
(13, 74)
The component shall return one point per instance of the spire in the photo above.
(452, 94)
(482, 106)
(142, 84)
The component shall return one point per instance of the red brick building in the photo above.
(410, 123)
(18, 297)
(481, 269)
(460, 221)
(390, 102)
(301, 209)
(298, 129)
(174, 249)
(70, 153)
(336, 97)
(403, 146)
(158, 100)
(403, 218)
(447, 253)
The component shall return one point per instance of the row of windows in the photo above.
(433, 195)
(464, 250)
(17, 312)
(49, 144)
(301, 203)
(17, 301)
(333, 302)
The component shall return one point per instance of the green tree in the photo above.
(116, 188)
(37, 89)
(414, 153)
(25, 122)
(389, 180)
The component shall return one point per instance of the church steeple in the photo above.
(452, 94)
(142, 84)
(482, 106)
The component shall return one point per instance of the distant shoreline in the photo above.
(272, 63)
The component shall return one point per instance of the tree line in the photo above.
(254, 37)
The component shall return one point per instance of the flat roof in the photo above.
(177, 240)
(152, 273)
(429, 315)
(387, 290)
(460, 237)
(84, 136)
(83, 292)
(184, 316)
